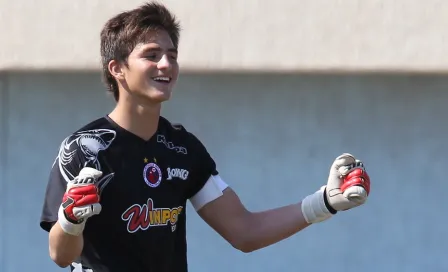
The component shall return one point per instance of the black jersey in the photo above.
(143, 190)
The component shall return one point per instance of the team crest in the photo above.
(152, 175)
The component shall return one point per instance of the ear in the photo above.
(115, 69)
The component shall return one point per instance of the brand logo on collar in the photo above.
(179, 149)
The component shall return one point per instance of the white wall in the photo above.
(282, 35)
(273, 138)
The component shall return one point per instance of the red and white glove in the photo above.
(348, 186)
(80, 201)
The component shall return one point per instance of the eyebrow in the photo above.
(158, 49)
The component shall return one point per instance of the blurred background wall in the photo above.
(286, 86)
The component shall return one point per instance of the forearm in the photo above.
(64, 248)
(249, 231)
(271, 226)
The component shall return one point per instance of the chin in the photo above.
(160, 96)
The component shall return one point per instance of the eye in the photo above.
(152, 56)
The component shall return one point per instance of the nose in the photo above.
(164, 63)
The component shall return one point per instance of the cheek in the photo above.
(142, 72)
(175, 71)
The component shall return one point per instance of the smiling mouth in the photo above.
(162, 79)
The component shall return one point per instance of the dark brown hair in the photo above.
(124, 31)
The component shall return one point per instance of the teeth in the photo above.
(166, 79)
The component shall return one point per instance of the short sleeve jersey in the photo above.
(143, 193)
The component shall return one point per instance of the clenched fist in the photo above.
(348, 186)
(348, 183)
(80, 201)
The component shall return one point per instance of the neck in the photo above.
(139, 119)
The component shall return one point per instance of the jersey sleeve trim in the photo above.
(211, 190)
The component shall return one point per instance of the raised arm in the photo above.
(71, 197)
(249, 231)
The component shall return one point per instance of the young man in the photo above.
(118, 188)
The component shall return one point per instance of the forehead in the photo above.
(155, 38)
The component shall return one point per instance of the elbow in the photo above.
(244, 247)
(243, 244)
(242, 237)
(61, 261)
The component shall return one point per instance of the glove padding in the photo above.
(348, 184)
(80, 201)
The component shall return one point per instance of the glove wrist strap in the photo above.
(327, 204)
(69, 227)
(314, 209)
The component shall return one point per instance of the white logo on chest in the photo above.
(177, 173)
